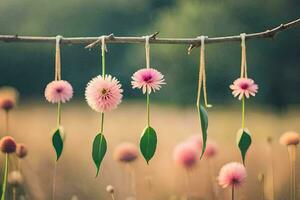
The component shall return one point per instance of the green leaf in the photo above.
(244, 142)
(203, 117)
(99, 150)
(148, 143)
(58, 143)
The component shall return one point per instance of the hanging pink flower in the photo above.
(58, 91)
(126, 152)
(232, 174)
(186, 155)
(244, 87)
(103, 94)
(147, 79)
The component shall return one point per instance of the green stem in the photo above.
(243, 113)
(58, 114)
(103, 75)
(148, 109)
(102, 123)
(5, 177)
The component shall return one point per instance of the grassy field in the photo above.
(32, 123)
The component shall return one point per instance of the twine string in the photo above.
(202, 74)
(103, 50)
(244, 59)
(147, 51)
(58, 58)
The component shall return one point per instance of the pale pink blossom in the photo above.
(232, 174)
(211, 149)
(186, 155)
(243, 87)
(196, 140)
(126, 152)
(58, 91)
(289, 138)
(103, 94)
(147, 79)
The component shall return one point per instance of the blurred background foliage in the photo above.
(275, 65)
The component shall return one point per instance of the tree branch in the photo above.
(193, 42)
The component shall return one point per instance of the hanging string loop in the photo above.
(103, 50)
(103, 43)
(58, 58)
(147, 50)
(244, 59)
(202, 73)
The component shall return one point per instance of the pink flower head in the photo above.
(58, 91)
(211, 149)
(232, 174)
(186, 154)
(289, 138)
(8, 98)
(126, 152)
(244, 87)
(21, 150)
(147, 79)
(8, 144)
(103, 94)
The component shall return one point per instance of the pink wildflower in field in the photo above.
(147, 79)
(186, 154)
(211, 149)
(8, 98)
(126, 152)
(8, 144)
(103, 94)
(244, 87)
(58, 91)
(232, 174)
(21, 150)
(196, 139)
(289, 138)
(15, 178)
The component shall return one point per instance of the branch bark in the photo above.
(193, 42)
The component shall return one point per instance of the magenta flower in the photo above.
(244, 87)
(8, 144)
(289, 138)
(147, 79)
(232, 174)
(211, 149)
(186, 155)
(58, 91)
(126, 152)
(103, 94)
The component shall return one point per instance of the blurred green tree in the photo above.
(274, 65)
